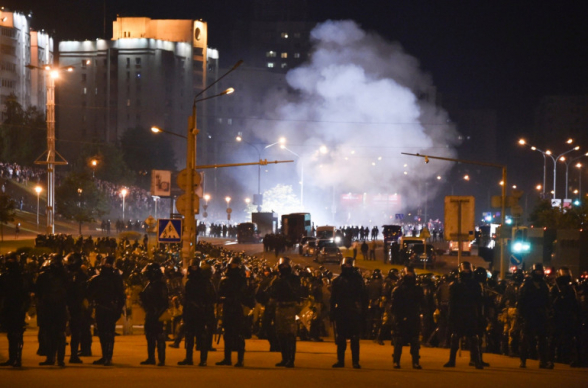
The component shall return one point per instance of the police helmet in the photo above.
(481, 275)
(74, 261)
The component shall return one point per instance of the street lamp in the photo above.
(51, 152)
(568, 162)
(155, 129)
(228, 199)
(282, 143)
(123, 192)
(38, 190)
(555, 159)
(93, 163)
(189, 229)
(258, 201)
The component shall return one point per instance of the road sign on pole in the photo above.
(169, 230)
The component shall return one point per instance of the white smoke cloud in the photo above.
(367, 101)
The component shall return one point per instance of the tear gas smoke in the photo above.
(367, 101)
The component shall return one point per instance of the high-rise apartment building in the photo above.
(21, 46)
(146, 75)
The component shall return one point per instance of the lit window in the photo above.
(284, 65)
(284, 35)
(220, 120)
(296, 55)
(270, 54)
(128, 102)
(270, 64)
(284, 55)
(230, 121)
(84, 91)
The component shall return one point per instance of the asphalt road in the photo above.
(313, 369)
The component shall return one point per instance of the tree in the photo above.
(22, 134)
(279, 199)
(79, 199)
(7, 206)
(143, 151)
(110, 166)
(546, 216)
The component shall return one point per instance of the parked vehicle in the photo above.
(391, 233)
(329, 253)
(247, 233)
(296, 226)
(416, 256)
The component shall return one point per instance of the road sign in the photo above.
(425, 233)
(182, 204)
(555, 202)
(459, 217)
(183, 179)
(169, 231)
(150, 221)
(516, 210)
(515, 260)
(399, 216)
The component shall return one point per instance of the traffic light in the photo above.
(520, 244)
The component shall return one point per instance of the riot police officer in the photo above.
(76, 298)
(51, 292)
(199, 299)
(233, 294)
(407, 302)
(154, 299)
(348, 307)
(107, 294)
(465, 298)
(566, 320)
(286, 291)
(532, 306)
(14, 302)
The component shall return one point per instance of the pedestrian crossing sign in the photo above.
(169, 231)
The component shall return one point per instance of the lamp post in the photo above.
(156, 200)
(544, 153)
(568, 162)
(555, 159)
(38, 190)
(51, 152)
(189, 229)
(123, 192)
(259, 199)
(282, 143)
(93, 163)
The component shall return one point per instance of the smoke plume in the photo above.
(364, 100)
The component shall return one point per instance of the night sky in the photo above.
(497, 54)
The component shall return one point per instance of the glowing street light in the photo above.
(206, 198)
(228, 199)
(123, 193)
(38, 190)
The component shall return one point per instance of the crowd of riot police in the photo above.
(237, 296)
